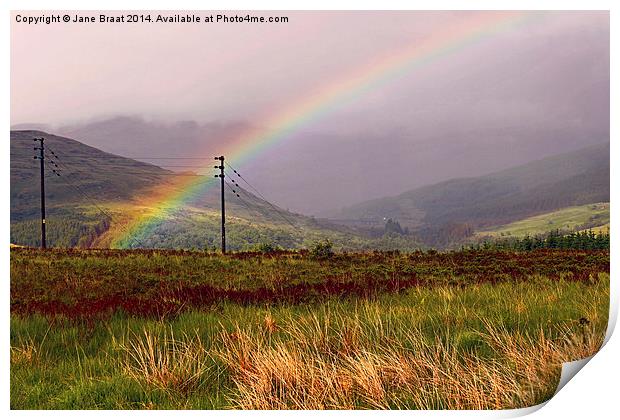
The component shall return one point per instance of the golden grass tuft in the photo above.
(270, 324)
(306, 372)
(25, 352)
(356, 361)
(178, 366)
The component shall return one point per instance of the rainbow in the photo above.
(319, 102)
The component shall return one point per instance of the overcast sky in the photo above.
(534, 90)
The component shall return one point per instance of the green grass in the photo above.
(568, 219)
(81, 366)
(428, 346)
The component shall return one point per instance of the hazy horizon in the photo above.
(150, 90)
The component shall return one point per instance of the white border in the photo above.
(593, 393)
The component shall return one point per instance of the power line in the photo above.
(77, 188)
(159, 174)
(70, 169)
(266, 201)
(164, 173)
(123, 165)
(254, 188)
(179, 174)
(241, 199)
(251, 208)
(23, 167)
(135, 165)
(87, 197)
(260, 195)
(122, 160)
(172, 187)
(138, 165)
(136, 158)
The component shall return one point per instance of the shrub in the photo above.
(322, 249)
(265, 247)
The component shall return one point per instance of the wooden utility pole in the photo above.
(221, 176)
(41, 158)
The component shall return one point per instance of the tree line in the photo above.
(585, 240)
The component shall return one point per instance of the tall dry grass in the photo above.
(346, 362)
(349, 371)
(166, 363)
(25, 352)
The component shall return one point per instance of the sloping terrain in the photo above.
(98, 174)
(98, 194)
(569, 219)
(545, 185)
(79, 201)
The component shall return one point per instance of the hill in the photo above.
(79, 201)
(97, 194)
(460, 206)
(98, 174)
(423, 154)
(570, 219)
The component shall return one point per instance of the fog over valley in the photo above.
(518, 95)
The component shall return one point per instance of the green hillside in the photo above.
(569, 219)
(78, 202)
(97, 193)
(99, 174)
(444, 212)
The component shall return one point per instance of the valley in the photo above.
(97, 199)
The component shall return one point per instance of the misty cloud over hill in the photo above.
(521, 94)
(316, 172)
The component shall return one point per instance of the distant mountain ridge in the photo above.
(97, 192)
(442, 214)
(569, 179)
(410, 158)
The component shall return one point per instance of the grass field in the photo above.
(566, 220)
(173, 329)
(599, 229)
